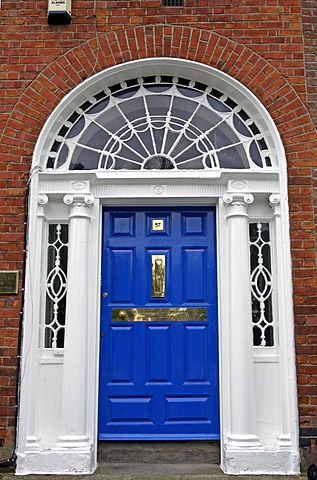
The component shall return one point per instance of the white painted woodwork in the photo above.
(59, 388)
(242, 411)
(74, 396)
(283, 436)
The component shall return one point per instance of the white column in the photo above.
(240, 349)
(284, 437)
(74, 402)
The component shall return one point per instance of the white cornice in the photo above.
(125, 184)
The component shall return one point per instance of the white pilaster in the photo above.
(284, 435)
(33, 442)
(74, 404)
(241, 435)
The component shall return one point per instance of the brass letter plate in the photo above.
(8, 282)
(181, 314)
(158, 276)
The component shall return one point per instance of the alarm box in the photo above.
(59, 12)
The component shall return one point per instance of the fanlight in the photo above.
(159, 123)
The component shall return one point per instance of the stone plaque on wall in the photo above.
(8, 282)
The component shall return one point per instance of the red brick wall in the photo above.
(309, 15)
(307, 326)
(261, 46)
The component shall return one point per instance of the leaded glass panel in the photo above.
(261, 284)
(159, 123)
(56, 286)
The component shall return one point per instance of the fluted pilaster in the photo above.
(242, 411)
(74, 405)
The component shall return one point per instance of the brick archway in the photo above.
(66, 72)
(237, 60)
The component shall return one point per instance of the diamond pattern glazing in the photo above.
(261, 285)
(56, 286)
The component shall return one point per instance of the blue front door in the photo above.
(159, 339)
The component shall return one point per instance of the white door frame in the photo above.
(259, 421)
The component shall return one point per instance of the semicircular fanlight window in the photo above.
(159, 123)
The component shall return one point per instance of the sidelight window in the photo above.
(56, 286)
(261, 284)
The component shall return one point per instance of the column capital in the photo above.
(275, 202)
(79, 199)
(79, 204)
(42, 200)
(237, 202)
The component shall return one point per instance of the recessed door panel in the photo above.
(129, 410)
(122, 267)
(194, 260)
(194, 223)
(184, 409)
(159, 345)
(123, 224)
(196, 358)
(121, 354)
(158, 354)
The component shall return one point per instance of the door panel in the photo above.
(121, 355)
(196, 357)
(122, 261)
(158, 345)
(158, 351)
(193, 261)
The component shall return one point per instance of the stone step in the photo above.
(151, 472)
(187, 452)
(158, 470)
(147, 471)
(153, 460)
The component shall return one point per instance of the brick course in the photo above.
(260, 46)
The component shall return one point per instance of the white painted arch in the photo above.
(258, 385)
(158, 67)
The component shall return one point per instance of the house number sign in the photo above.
(157, 225)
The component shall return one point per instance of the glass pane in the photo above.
(232, 157)
(159, 163)
(84, 159)
(56, 286)
(143, 118)
(261, 285)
